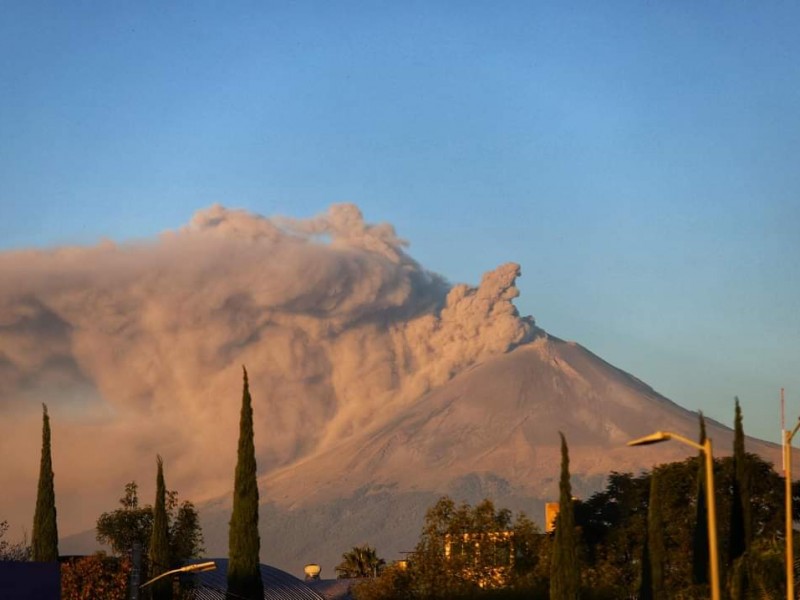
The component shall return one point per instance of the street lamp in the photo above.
(787, 475)
(195, 568)
(705, 448)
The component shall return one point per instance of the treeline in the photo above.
(643, 537)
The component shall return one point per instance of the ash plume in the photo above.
(137, 347)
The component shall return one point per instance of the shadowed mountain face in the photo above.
(489, 432)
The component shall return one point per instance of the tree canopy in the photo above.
(612, 533)
(361, 561)
(131, 523)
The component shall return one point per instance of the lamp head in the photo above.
(653, 438)
(203, 567)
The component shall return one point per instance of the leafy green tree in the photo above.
(44, 539)
(432, 575)
(361, 561)
(700, 550)
(564, 568)
(463, 549)
(614, 525)
(531, 556)
(158, 553)
(124, 526)
(185, 532)
(131, 523)
(244, 543)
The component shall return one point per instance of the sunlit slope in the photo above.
(502, 417)
(491, 431)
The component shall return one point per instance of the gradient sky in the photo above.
(638, 159)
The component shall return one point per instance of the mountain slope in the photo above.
(489, 432)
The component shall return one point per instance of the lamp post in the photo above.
(705, 448)
(195, 568)
(787, 475)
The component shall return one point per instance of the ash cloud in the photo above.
(136, 348)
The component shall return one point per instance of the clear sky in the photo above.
(638, 159)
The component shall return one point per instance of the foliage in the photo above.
(122, 527)
(613, 525)
(564, 569)
(466, 552)
(185, 532)
(244, 544)
(612, 530)
(360, 562)
(446, 563)
(655, 540)
(700, 548)
(93, 577)
(18, 551)
(44, 538)
(741, 529)
(158, 554)
(393, 583)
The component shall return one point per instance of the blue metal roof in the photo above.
(278, 585)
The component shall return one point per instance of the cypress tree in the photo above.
(564, 571)
(740, 528)
(244, 544)
(700, 550)
(158, 553)
(655, 539)
(44, 539)
(740, 501)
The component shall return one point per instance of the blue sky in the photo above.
(638, 159)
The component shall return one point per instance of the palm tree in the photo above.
(361, 561)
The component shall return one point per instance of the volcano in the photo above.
(490, 432)
(377, 385)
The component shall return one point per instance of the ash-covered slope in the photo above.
(489, 432)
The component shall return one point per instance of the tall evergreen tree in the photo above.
(44, 539)
(700, 550)
(244, 544)
(158, 553)
(564, 569)
(740, 528)
(655, 538)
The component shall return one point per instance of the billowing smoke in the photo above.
(137, 349)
